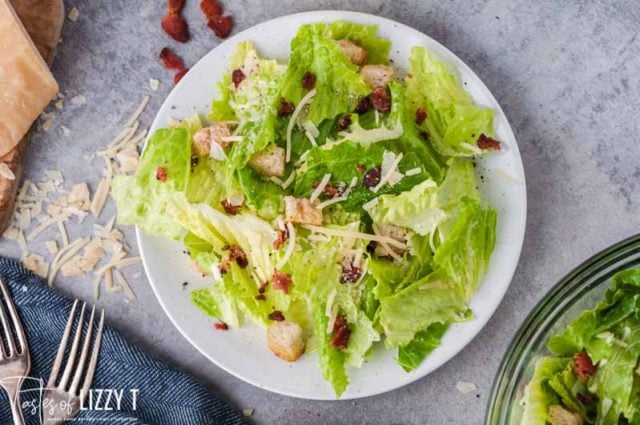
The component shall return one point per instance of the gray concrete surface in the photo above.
(566, 74)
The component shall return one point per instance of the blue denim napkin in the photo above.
(150, 392)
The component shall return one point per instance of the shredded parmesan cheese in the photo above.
(6, 172)
(137, 112)
(413, 172)
(354, 235)
(321, 186)
(290, 247)
(289, 180)
(294, 117)
(389, 174)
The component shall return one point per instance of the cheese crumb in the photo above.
(154, 84)
(73, 15)
(6, 172)
(466, 387)
(248, 412)
(79, 100)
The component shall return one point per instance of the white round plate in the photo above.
(243, 352)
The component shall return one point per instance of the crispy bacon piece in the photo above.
(161, 174)
(350, 273)
(170, 60)
(380, 100)
(364, 105)
(421, 115)
(229, 208)
(237, 254)
(276, 315)
(281, 237)
(173, 23)
(237, 76)
(486, 142)
(343, 123)
(285, 108)
(372, 177)
(583, 367)
(221, 326)
(260, 297)
(221, 25)
(360, 168)
(341, 333)
(309, 80)
(210, 8)
(331, 191)
(281, 281)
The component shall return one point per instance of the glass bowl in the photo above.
(581, 289)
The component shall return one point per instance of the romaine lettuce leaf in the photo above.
(332, 361)
(339, 86)
(365, 35)
(205, 302)
(423, 343)
(141, 199)
(454, 122)
(263, 196)
(363, 335)
(538, 395)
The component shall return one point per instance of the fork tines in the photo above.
(11, 330)
(70, 381)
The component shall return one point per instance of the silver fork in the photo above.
(15, 361)
(63, 397)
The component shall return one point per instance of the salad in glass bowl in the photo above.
(332, 199)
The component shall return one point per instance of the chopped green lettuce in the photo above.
(538, 396)
(423, 343)
(332, 360)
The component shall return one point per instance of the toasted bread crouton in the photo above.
(269, 162)
(356, 53)
(302, 211)
(377, 75)
(213, 134)
(393, 232)
(285, 340)
(558, 415)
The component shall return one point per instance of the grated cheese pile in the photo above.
(48, 204)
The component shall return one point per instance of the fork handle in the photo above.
(16, 407)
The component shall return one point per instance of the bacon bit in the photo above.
(161, 174)
(281, 281)
(372, 177)
(223, 267)
(229, 208)
(237, 76)
(260, 297)
(170, 60)
(380, 100)
(285, 108)
(364, 105)
(237, 254)
(210, 8)
(309, 80)
(350, 273)
(583, 367)
(421, 115)
(587, 399)
(276, 315)
(343, 123)
(173, 23)
(360, 168)
(485, 142)
(221, 326)
(341, 333)
(179, 75)
(281, 237)
(263, 287)
(221, 25)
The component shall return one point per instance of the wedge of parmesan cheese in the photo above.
(27, 84)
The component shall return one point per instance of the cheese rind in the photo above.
(26, 84)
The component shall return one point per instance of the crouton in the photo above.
(302, 211)
(393, 232)
(213, 134)
(269, 162)
(356, 53)
(558, 415)
(285, 340)
(377, 75)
